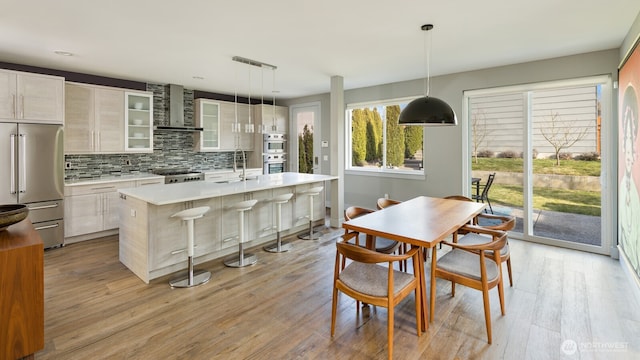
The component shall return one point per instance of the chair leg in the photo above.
(501, 296)
(487, 310)
(334, 304)
(453, 289)
(509, 271)
(490, 208)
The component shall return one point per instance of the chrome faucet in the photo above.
(243, 177)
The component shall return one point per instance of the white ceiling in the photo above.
(368, 42)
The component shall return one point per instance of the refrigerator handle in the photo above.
(12, 156)
(22, 172)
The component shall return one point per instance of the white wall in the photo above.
(443, 145)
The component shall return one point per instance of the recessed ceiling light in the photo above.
(198, 77)
(63, 53)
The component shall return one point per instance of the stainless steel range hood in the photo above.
(176, 112)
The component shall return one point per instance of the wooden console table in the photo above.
(21, 291)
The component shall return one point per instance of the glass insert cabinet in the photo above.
(138, 122)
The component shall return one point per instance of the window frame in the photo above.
(381, 171)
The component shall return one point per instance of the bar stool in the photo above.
(279, 246)
(314, 191)
(242, 259)
(200, 277)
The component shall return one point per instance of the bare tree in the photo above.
(562, 134)
(478, 132)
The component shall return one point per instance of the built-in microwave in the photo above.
(274, 143)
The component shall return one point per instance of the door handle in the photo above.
(12, 150)
(315, 160)
(22, 174)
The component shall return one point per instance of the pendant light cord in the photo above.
(427, 59)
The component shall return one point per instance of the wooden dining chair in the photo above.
(364, 279)
(493, 222)
(382, 245)
(382, 203)
(470, 266)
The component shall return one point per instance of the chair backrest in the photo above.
(457, 197)
(485, 191)
(353, 212)
(382, 203)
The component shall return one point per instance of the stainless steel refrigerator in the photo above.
(32, 173)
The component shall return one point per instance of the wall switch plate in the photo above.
(325, 157)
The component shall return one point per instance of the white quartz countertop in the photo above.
(111, 178)
(163, 194)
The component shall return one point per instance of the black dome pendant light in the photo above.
(427, 110)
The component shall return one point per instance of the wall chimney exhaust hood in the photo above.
(176, 112)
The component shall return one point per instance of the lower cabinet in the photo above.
(94, 208)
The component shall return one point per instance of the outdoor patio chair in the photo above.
(484, 195)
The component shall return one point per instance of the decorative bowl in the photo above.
(137, 121)
(11, 214)
(137, 106)
(138, 135)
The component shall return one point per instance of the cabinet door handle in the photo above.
(47, 227)
(15, 105)
(22, 106)
(44, 207)
(103, 188)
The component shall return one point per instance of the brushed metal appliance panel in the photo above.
(40, 163)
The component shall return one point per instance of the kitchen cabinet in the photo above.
(138, 122)
(207, 114)
(31, 98)
(230, 139)
(273, 121)
(94, 119)
(92, 208)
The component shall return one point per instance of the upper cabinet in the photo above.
(207, 117)
(27, 97)
(94, 119)
(231, 135)
(138, 122)
(272, 121)
(104, 120)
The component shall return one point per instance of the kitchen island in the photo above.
(152, 243)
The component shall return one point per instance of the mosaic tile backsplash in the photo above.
(170, 149)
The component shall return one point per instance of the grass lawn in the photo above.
(568, 201)
(540, 166)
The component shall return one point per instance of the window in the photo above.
(376, 143)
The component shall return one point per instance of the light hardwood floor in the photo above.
(280, 308)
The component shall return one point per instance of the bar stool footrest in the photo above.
(199, 277)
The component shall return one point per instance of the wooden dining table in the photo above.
(423, 222)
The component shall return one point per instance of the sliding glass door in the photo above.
(548, 146)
